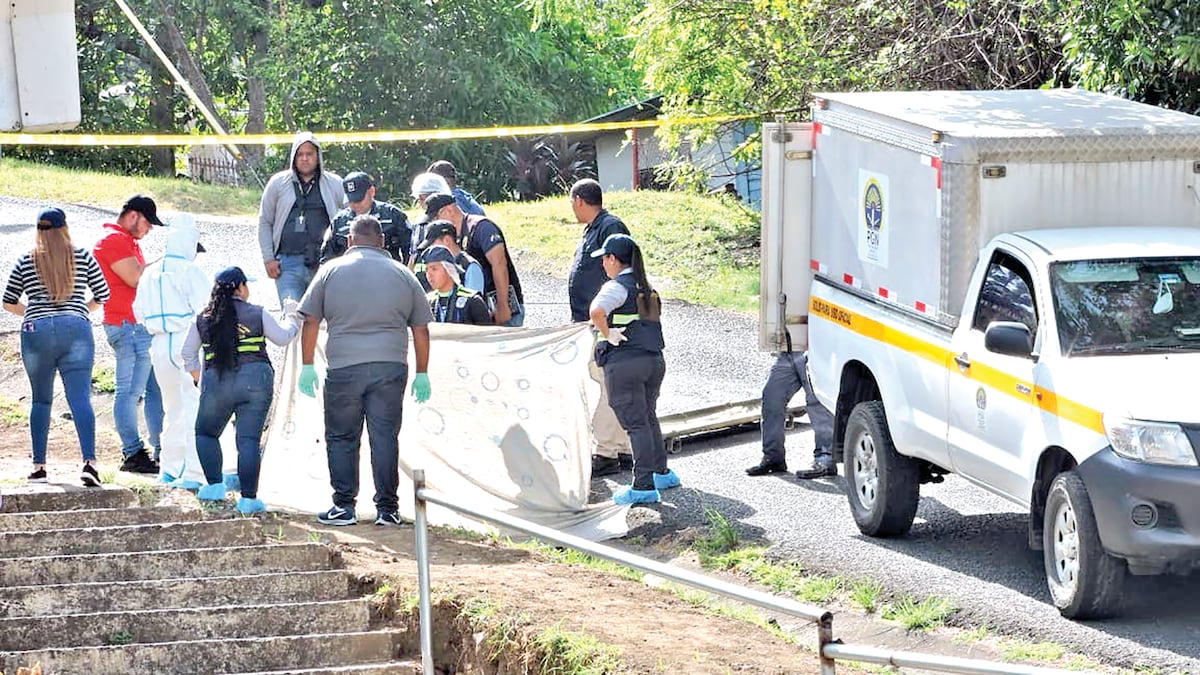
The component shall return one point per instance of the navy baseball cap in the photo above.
(619, 245)
(436, 230)
(356, 185)
(231, 276)
(51, 218)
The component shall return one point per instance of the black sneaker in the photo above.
(337, 516)
(605, 466)
(626, 461)
(765, 468)
(38, 476)
(388, 518)
(139, 462)
(819, 469)
(89, 476)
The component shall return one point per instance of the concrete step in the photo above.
(203, 657)
(181, 564)
(153, 537)
(68, 520)
(128, 596)
(393, 668)
(65, 498)
(177, 625)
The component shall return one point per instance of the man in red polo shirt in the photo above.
(121, 261)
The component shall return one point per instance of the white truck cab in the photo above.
(1006, 286)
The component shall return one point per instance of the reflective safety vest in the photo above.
(251, 342)
(455, 307)
(643, 335)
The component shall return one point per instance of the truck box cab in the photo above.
(1006, 286)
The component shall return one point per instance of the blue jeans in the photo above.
(373, 392)
(245, 394)
(789, 375)
(294, 277)
(135, 380)
(60, 343)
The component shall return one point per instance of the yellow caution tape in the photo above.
(351, 136)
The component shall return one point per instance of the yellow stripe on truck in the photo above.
(1044, 399)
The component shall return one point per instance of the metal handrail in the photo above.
(830, 649)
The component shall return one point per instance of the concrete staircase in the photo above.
(90, 583)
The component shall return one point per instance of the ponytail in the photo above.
(222, 327)
(648, 304)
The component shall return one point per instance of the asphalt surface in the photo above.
(966, 545)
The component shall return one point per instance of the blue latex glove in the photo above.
(420, 387)
(308, 380)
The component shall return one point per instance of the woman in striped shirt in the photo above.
(56, 334)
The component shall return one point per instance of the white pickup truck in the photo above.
(1006, 286)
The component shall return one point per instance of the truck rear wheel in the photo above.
(1085, 581)
(882, 485)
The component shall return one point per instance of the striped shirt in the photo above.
(23, 280)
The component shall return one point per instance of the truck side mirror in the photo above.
(1011, 338)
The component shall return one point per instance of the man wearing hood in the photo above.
(297, 207)
(169, 294)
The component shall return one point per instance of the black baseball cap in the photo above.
(619, 245)
(437, 202)
(143, 205)
(356, 185)
(436, 230)
(51, 218)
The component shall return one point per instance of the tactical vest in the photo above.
(252, 342)
(643, 334)
(456, 307)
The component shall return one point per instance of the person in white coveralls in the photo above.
(169, 295)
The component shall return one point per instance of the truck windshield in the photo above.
(1135, 305)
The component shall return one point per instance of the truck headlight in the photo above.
(1150, 442)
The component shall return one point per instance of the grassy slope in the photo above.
(700, 249)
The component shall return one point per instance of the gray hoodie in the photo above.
(279, 196)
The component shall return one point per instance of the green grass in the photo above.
(738, 612)
(698, 248)
(919, 616)
(104, 379)
(13, 413)
(108, 191)
(569, 556)
(565, 652)
(866, 594)
(1041, 652)
(121, 638)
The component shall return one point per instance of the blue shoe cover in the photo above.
(247, 506)
(184, 484)
(212, 493)
(166, 478)
(666, 481)
(631, 496)
(233, 483)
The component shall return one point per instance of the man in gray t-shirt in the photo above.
(369, 303)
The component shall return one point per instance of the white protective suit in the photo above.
(170, 294)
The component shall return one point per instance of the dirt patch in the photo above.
(483, 590)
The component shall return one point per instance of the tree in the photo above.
(1146, 50)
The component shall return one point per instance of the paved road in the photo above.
(967, 545)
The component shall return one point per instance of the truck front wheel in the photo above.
(1085, 581)
(882, 485)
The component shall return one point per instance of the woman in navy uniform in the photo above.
(238, 380)
(626, 312)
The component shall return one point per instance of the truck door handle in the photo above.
(963, 361)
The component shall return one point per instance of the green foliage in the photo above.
(1041, 652)
(736, 611)
(1147, 50)
(13, 413)
(120, 638)
(712, 57)
(104, 379)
